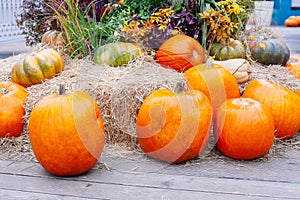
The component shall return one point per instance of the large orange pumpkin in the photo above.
(174, 126)
(180, 52)
(12, 100)
(217, 83)
(66, 133)
(282, 102)
(244, 129)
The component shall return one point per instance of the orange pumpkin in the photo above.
(298, 92)
(174, 126)
(180, 52)
(298, 18)
(66, 133)
(12, 100)
(217, 83)
(244, 129)
(292, 21)
(282, 102)
(294, 68)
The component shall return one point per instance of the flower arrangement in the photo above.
(90, 23)
(224, 22)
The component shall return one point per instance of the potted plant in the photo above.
(262, 13)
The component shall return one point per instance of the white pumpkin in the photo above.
(238, 67)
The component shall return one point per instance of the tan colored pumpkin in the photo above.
(239, 68)
(53, 37)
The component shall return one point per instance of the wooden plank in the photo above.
(281, 169)
(22, 195)
(277, 169)
(106, 182)
(66, 188)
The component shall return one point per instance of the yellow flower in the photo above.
(252, 37)
(154, 19)
(262, 45)
(175, 32)
(162, 27)
(235, 8)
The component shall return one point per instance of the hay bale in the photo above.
(275, 73)
(6, 66)
(120, 92)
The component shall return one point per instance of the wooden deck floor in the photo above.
(135, 176)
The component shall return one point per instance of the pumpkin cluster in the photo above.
(244, 125)
(172, 125)
(292, 21)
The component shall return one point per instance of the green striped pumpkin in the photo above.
(116, 54)
(267, 49)
(35, 69)
(234, 49)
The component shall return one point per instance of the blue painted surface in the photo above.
(282, 10)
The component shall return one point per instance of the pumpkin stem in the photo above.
(180, 87)
(62, 89)
(4, 91)
(209, 62)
